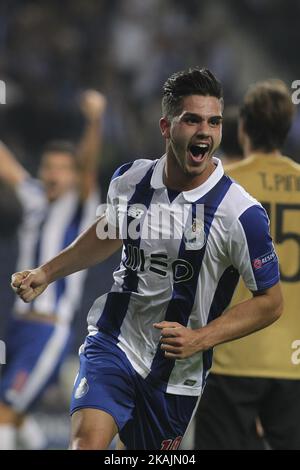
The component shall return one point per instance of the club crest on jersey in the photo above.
(82, 388)
(194, 236)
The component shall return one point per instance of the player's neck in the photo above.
(174, 177)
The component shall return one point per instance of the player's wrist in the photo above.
(204, 339)
(46, 273)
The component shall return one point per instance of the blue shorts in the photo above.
(34, 354)
(146, 417)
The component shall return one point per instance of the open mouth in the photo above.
(198, 152)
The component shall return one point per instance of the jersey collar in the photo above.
(196, 193)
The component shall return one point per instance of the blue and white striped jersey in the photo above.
(218, 233)
(47, 228)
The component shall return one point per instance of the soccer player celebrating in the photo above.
(144, 363)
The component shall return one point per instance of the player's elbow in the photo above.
(272, 313)
(271, 304)
(276, 304)
(277, 310)
(280, 307)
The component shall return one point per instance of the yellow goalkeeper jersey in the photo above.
(275, 351)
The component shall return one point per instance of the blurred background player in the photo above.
(56, 209)
(255, 376)
(10, 219)
(10, 211)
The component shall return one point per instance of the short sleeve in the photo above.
(112, 204)
(251, 249)
(113, 196)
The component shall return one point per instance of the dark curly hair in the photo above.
(194, 81)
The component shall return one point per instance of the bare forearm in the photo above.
(180, 342)
(87, 250)
(241, 320)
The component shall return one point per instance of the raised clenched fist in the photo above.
(29, 284)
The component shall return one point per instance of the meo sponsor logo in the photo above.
(157, 263)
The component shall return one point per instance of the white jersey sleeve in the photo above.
(112, 204)
(113, 195)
